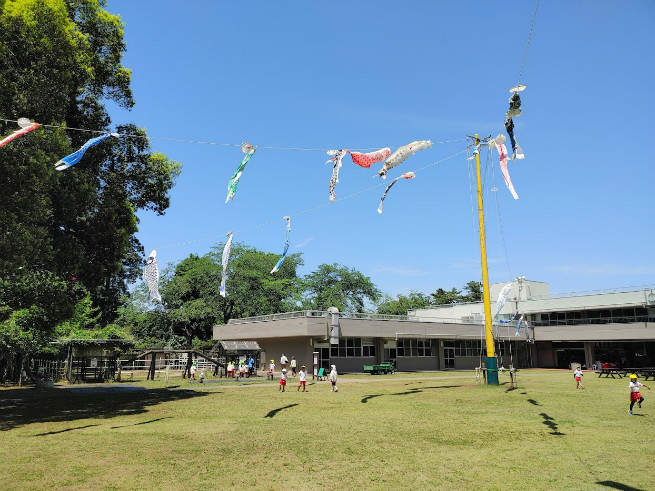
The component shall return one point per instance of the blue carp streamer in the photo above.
(286, 246)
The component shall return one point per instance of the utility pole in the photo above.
(492, 363)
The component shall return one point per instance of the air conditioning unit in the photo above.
(650, 297)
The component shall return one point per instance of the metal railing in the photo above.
(345, 315)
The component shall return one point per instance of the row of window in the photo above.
(414, 347)
(352, 348)
(602, 316)
(358, 347)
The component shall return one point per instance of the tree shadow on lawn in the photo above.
(20, 407)
(618, 485)
(142, 422)
(64, 431)
(273, 412)
(415, 390)
(550, 422)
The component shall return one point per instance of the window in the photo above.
(414, 347)
(390, 354)
(400, 347)
(368, 348)
(348, 348)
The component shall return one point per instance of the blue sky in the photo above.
(344, 74)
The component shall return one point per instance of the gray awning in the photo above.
(240, 345)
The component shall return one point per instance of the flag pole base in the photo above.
(492, 370)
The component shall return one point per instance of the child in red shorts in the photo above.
(302, 375)
(578, 378)
(635, 394)
(283, 380)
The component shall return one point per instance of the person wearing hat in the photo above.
(302, 378)
(271, 370)
(635, 394)
(192, 370)
(333, 378)
(283, 380)
(578, 378)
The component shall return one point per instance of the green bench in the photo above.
(381, 368)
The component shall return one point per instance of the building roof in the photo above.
(240, 345)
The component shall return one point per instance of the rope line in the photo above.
(525, 54)
(268, 222)
(202, 142)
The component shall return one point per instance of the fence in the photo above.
(48, 369)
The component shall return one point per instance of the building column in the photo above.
(589, 354)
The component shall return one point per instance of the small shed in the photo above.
(237, 351)
(93, 360)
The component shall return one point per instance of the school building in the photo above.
(616, 326)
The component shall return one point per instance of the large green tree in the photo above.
(251, 288)
(402, 303)
(191, 302)
(335, 285)
(59, 61)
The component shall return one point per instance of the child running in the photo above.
(578, 378)
(333, 378)
(635, 394)
(283, 380)
(302, 378)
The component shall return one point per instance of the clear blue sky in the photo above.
(344, 74)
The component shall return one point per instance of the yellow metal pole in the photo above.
(492, 364)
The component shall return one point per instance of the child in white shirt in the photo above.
(302, 378)
(283, 380)
(635, 394)
(578, 378)
(333, 378)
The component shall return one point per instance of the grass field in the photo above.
(420, 430)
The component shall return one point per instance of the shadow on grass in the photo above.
(550, 422)
(64, 431)
(142, 422)
(275, 411)
(21, 407)
(618, 485)
(415, 390)
(533, 402)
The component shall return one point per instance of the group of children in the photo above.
(302, 378)
(241, 370)
(634, 386)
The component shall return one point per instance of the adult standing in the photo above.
(293, 366)
(283, 361)
(251, 366)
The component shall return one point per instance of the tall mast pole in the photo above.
(492, 363)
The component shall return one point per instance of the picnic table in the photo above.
(381, 368)
(644, 372)
(610, 372)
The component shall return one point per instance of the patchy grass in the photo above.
(419, 430)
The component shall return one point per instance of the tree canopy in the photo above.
(191, 302)
(335, 285)
(60, 60)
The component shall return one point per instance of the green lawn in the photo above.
(420, 430)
